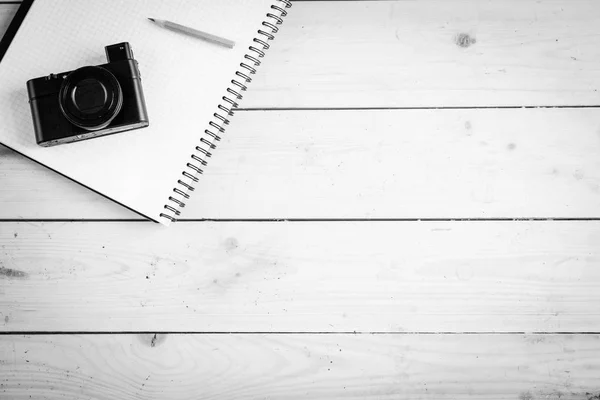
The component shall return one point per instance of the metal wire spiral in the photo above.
(225, 111)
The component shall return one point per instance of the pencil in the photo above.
(193, 32)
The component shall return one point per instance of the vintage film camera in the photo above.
(90, 101)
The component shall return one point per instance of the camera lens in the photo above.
(90, 98)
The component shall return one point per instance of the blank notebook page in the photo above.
(183, 80)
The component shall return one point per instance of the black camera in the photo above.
(90, 101)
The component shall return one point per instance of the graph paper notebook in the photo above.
(189, 85)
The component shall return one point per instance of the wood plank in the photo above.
(301, 366)
(405, 164)
(432, 53)
(485, 163)
(31, 191)
(297, 277)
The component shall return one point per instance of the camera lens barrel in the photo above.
(90, 98)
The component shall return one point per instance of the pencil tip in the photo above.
(151, 19)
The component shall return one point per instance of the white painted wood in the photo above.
(301, 277)
(300, 366)
(366, 164)
(408, 53)
(405, 164)
(29, 190)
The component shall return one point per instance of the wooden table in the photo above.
(407, 207)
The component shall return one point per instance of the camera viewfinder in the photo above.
(118, 52)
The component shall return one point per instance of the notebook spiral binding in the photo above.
(225, 110)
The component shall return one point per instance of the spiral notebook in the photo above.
(190, 88)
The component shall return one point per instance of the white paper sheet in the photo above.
(183, 79)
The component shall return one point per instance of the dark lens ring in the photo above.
(112, 104)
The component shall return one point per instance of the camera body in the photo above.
(90, 101)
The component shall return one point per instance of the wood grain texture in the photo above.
(431, 53)
(405, 164)
(301, 277)
(366, 164)
(300, 366)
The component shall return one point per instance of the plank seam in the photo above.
(39, 333)
(415, 108)
(258, 220)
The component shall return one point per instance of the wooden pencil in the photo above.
(193, 32)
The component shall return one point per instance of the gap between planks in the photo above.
(256, 220)
(284, 333)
